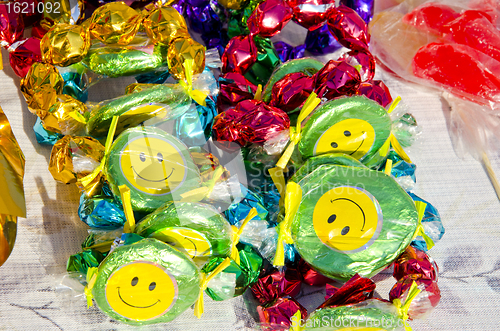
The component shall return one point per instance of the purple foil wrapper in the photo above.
(364, 8)
(283, 49)
(337, 78)
(203, 20)
(321, 41)
(376, 91)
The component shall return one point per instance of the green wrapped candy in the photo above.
(162, 101)
(125, 61)
(350, 219)
(308, 66)
(194, 228)
(146, 282)
(156, 166)
(235, 279)
(267, 60)
(370, 315)
(356, 126)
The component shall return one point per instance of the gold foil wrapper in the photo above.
(59, 118)
(74, 157)
(115, 23)
(165, 24)
(41, 87)
(61, 11)
(232, 4)
(183, 49)
(12, 201)
(65, 44)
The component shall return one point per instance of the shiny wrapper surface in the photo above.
(350, 219)
(353, 125)
(232, 4)
(278, 316)
(355, 290)
(115, 23)
(311, 14)
(238, 211)
(234, 88)
(165, 24)
(337, 78)
(12, 27)
(269, 18)
(43, 136)
(64, 152)
(125, 61)
(131, 270)
(432, 223)
(41, 86)
(290, 92)
(65, 44)
(101, 210)
(12, 201)
(59, 120)
(277, 285)
(163, 101)
(267, 60)
(84, 260)
(183, 49)
(415, 262)
(69, 12)
(321, 41)
(240, 54)
(311, 276)
(350, 29)
(156, 166)
(23, 54)
(204, 233)
(364, 8)
(204, 19)
(377, 91)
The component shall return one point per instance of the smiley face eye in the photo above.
(345, 230)
(347, 133)
(142, 156)
(152, 286)
(135, 280)
(332, 218)
(159, 156)
(334, 145)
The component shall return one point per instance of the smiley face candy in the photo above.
(350, 219)
(194, 228)
(146, 282)
(156, 166)
(356, 126)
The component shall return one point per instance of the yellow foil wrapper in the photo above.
(12, 201)
(65, 44)
(115, 23)
(41, 86)
(165, 24)
(61, 11)
(232, 4)
(61, 118)
(74, 157)
(183, 49)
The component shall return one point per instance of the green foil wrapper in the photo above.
(350, 219)
(194, 228)
(371, 314)
(156, 166)
(235, 279)
(125, 61)
(146, 282)
(162, 102)
(308, 66)
(84, 260)
(267, 60)
(356, 126)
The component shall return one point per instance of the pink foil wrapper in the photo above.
(269, 18)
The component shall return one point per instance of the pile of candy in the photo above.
(275, 175)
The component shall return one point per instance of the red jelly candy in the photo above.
(240, 54)
(23, 54)
(291, 91)
(459, 68)
(431, 17)
(269, 18)
(311, 13)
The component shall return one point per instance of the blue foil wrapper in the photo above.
(298, 52)
(153, 77)
(364, 8)
(203, 19)
(194, 127)
(291, 254)
(102, 210)
(238, 211)
(75, 86)
(433, 226)
(45, 137)
(271, 199)
(401, 168)
(197, 3)
(321, 41)
(283, 49)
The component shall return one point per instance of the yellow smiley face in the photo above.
(352, 136)
(141, 291)
(153, 165)
(190, 241)
(347, 219)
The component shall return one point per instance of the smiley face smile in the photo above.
(150, 180)
(128, 304)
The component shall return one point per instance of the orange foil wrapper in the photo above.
(115, 23)
(12, 201)
(65, 44)
(165, 24)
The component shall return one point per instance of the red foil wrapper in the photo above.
(290, 92)
(11, 24)
(311, 276)
(415, 262)
(251, 121)
(364, 59)
(376, 91)
(311, 13)
(355, 290)
(276, 285)
(23, 54)
(424, 302)
(37, 31)
(335, 79)
(240, 54)
(349, 28)
(269, 18)
(234, 88)
(279, 315)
